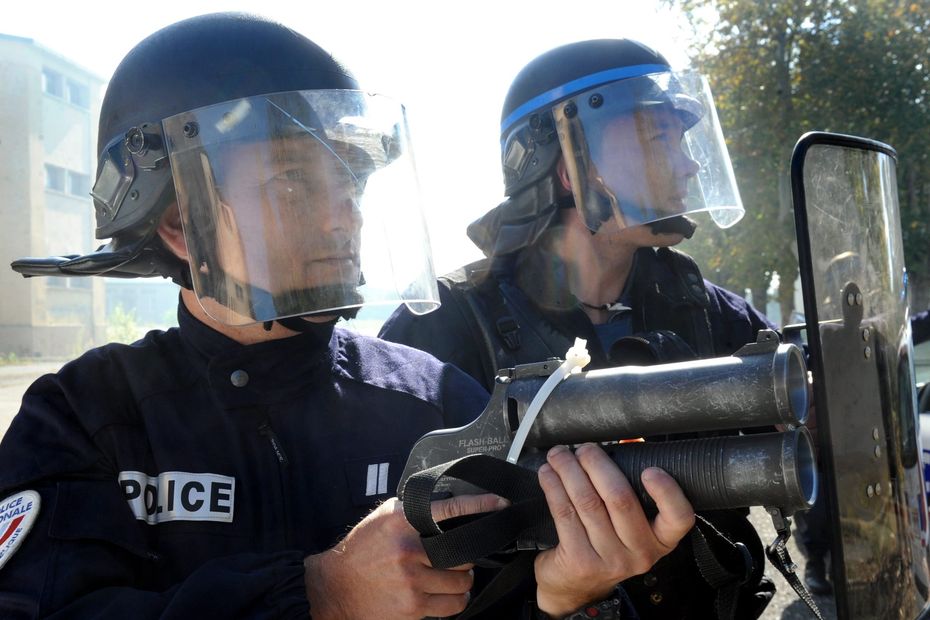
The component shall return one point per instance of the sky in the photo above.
(449, 63)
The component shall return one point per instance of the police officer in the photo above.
(213, 470)
(605, 150)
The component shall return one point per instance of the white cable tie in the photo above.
(576, 358)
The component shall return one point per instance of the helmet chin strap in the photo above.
(261, 302)
(298, 324)
(602, 203)
(680, 225)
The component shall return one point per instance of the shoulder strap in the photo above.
(507, 326)
(463, 285)
(669, 294)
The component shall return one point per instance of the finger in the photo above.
(465, 567)
(459, 505)
(572, 534)
(624, 510)
(584, 496)
(676, 515)
(438, 581)
(443, 605)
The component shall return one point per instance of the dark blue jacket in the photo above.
(188, 476)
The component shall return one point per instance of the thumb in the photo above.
(459, 505)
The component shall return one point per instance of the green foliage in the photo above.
(122, 326)
(780, 69)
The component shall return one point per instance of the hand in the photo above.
(380, 569)
(604, 535)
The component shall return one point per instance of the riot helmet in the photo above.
(641, 143)
(274, 158)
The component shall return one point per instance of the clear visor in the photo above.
(300, 202)
(647, 148)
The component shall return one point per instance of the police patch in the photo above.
(17, 514)
(179, 496)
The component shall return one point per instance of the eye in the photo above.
(292, 175)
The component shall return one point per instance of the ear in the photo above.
(169, 229)
(561, 172)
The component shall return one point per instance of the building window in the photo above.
(78, 94)
(54, 178)
(53, 83)
(73, 283)
(78, 184)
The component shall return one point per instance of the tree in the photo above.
(122, 326)
(780, 69)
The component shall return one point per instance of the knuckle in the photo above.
(564, 512)
(406, 556)
(589, 501)
(622, 500)
(408, 576)
(587, 567)
(643, 562)
(441, 511)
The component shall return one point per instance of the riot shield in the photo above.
(855, 301)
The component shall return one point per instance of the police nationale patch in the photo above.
(17, 514)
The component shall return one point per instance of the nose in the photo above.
(344, 215)
(687, 167)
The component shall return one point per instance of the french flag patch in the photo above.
(17, 514)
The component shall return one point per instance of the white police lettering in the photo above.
(17, 514)
(179, 496)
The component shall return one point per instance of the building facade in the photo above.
(48, 130)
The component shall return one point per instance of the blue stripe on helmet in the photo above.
(576, 86)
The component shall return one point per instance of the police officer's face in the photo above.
(291, 217)
(643, 160)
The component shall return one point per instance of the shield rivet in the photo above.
(865, 334)
(878, 489)
(878, 452)
(868, 352)
(870, 491)
(875, 434)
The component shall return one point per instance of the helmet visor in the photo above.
(300, 202)
(647, 148)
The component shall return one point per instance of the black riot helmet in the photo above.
(259, 135)
(188, 65)
(529, 142)
(594, 102)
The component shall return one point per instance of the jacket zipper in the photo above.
(265, 430)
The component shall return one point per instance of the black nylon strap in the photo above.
(709, 547)
(527, 518)
(503, 583)
(778, 555)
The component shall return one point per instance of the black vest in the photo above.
(667, 292)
